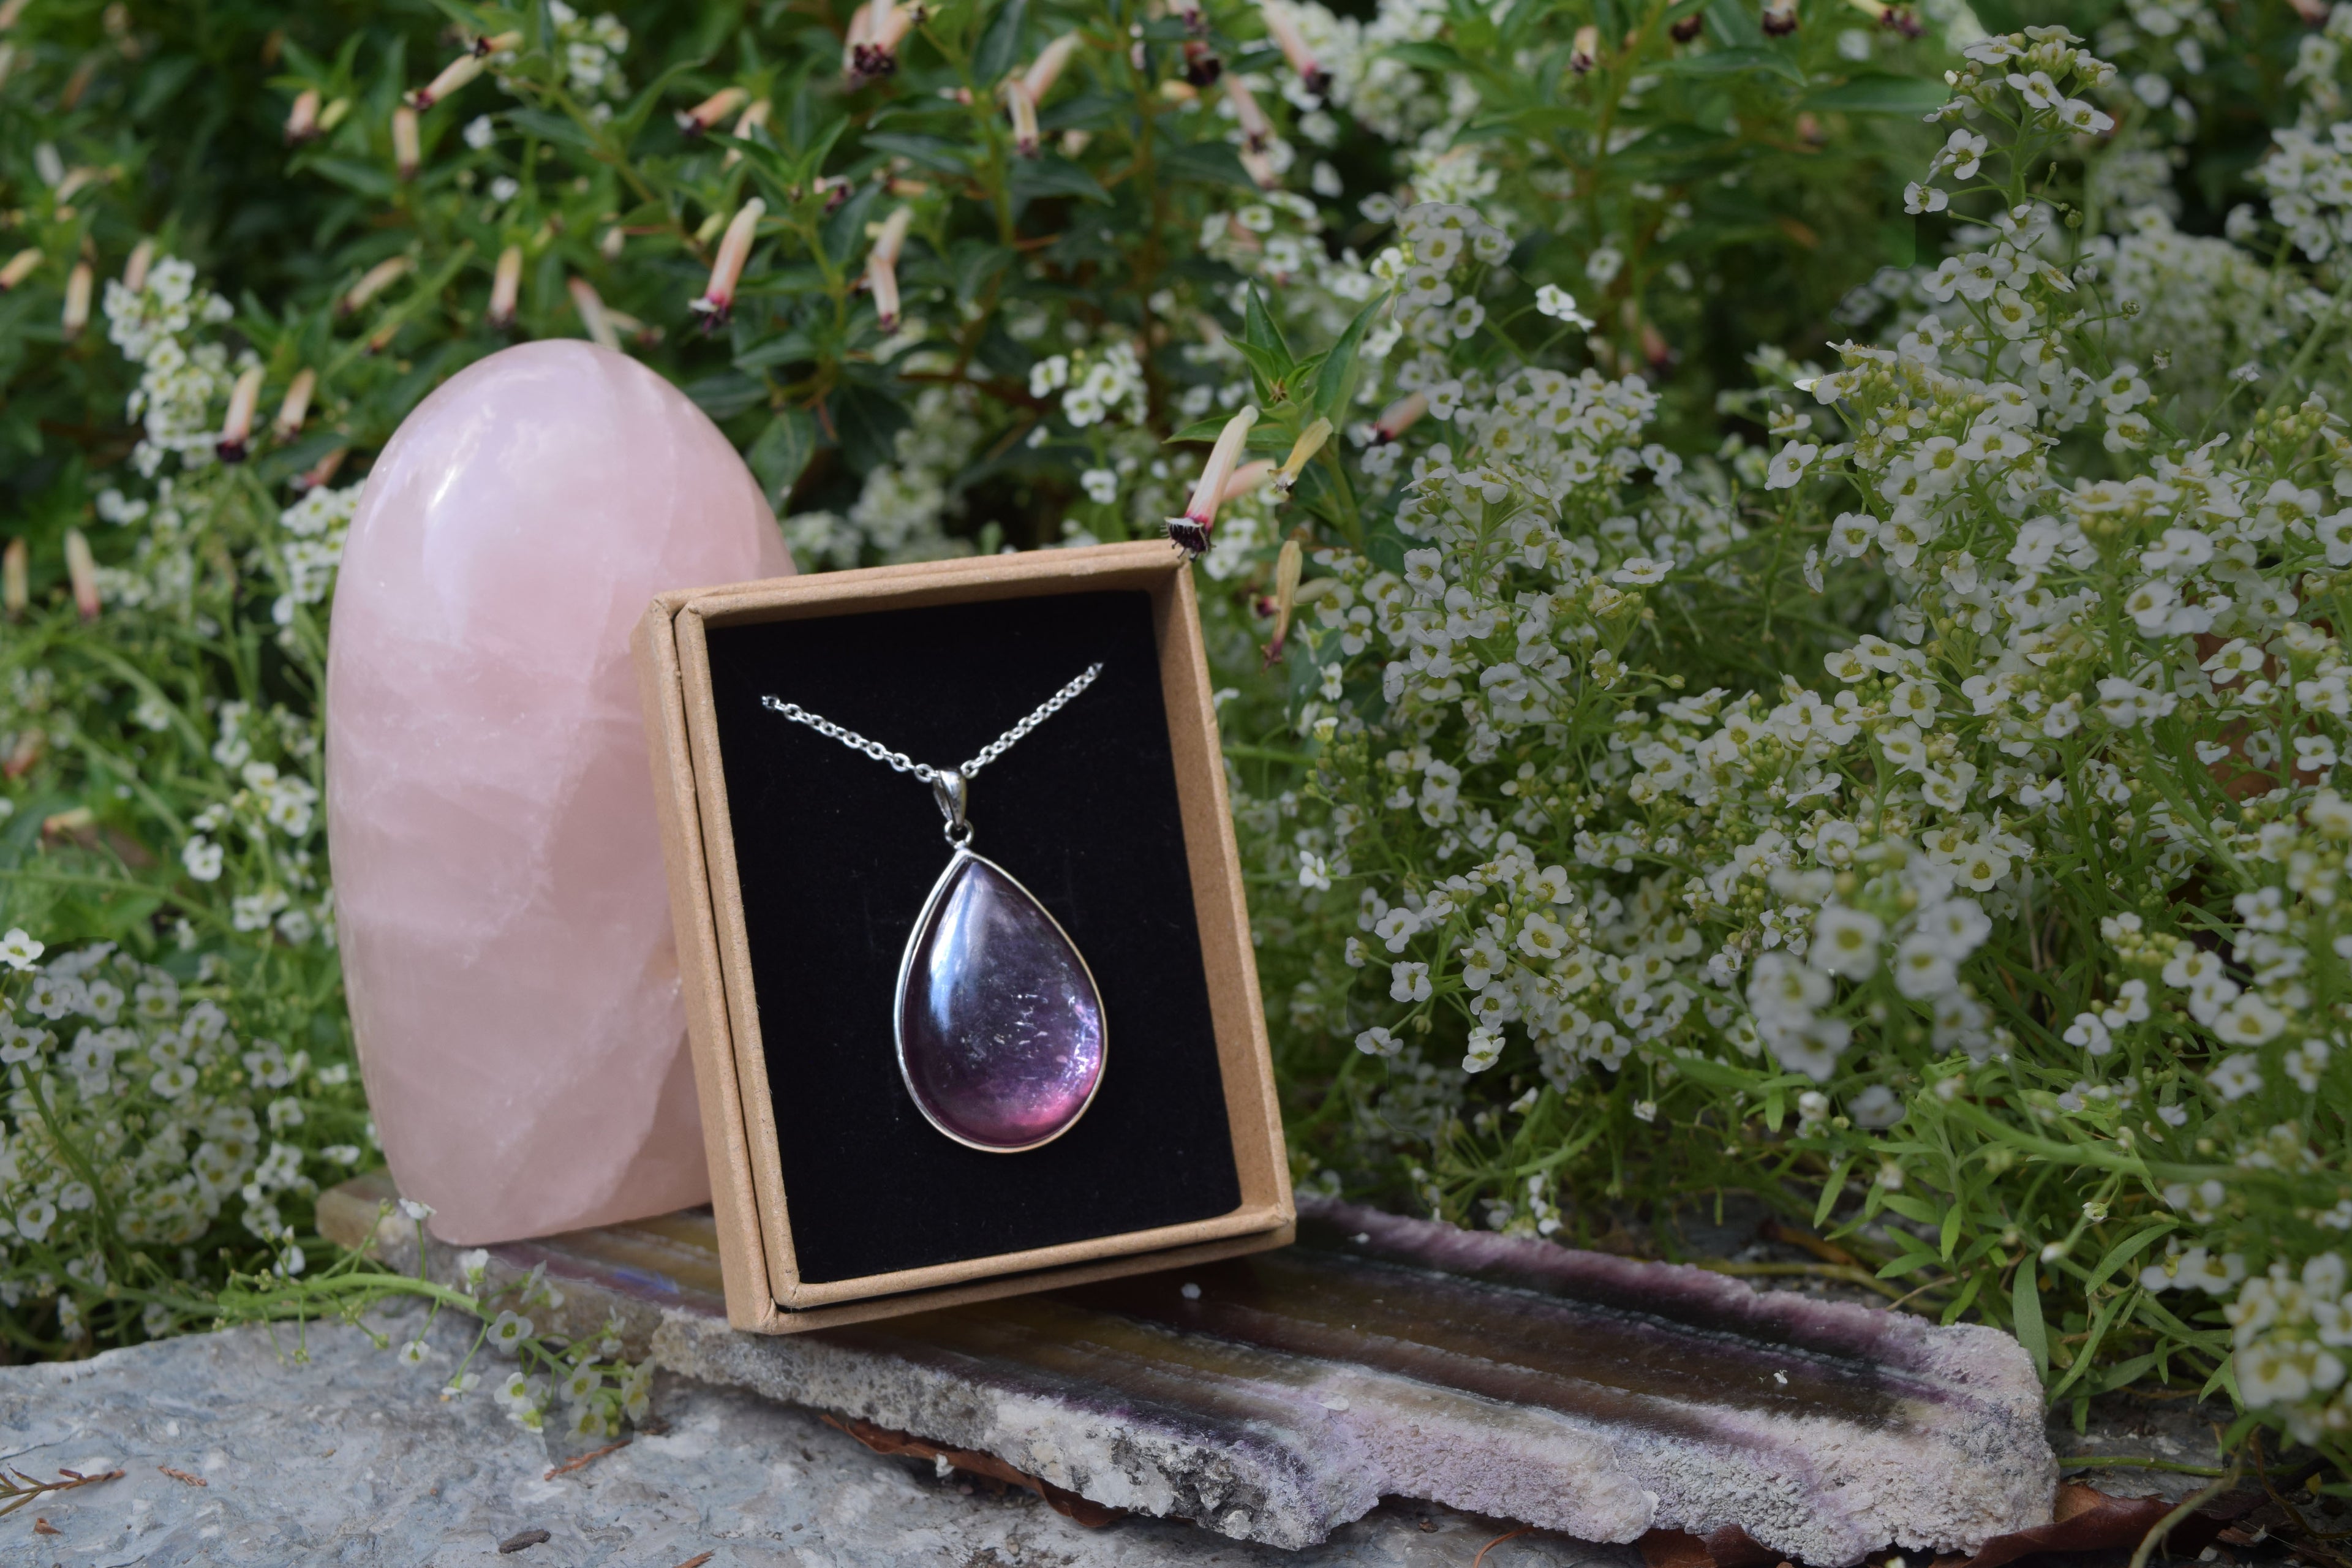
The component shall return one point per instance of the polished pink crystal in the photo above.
(501, 903)
(1000, 1028)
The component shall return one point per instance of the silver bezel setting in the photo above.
(898, 1005)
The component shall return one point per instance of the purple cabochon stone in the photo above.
(1000, 1026)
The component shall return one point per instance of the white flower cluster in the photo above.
(178, 383)
(145, 1088)
(898, 512)
(2289, 1334)
(315, 528)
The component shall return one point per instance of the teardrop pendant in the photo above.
(1001, 1030)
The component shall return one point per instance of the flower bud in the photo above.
(1780, 17)
(1585, 52)
(454, 75)
(1401, 415)
(1023, 111)
(1196, 21)
(727, 100)
(882, 264)
(374, 281)
(2313, 13)
(302, 120)
(9, 11)
(1261, 169)
(408, 155)
(81, 570)
(610, 247)
(134, 272)
(1201, 66)
(506, 281)
(734, 249)
(1256, 130)
(238, 428)
(753, 118)
(496, 44)
(1282, 26)
(1688, 27)
(296, 409)
(335, 112)
(321, 472)
(1302, 452)
(1250, 476)
(76, 315)
(16, 579)
(1046, 68)
(1287, 567)
(1191, 531)
(1655, 349)
(20, 266)
(592, 316)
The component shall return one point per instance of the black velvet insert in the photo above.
(836, 854)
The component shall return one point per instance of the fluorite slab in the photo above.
(1001, 1034)
(500, 900)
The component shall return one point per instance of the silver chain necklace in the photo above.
(948, 785)
(1000, 1026)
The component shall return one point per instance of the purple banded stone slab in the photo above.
(1000, 1026)
(1277, 1396)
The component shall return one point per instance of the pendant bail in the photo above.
(950, 790)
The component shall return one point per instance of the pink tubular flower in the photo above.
(1585, 52)
(712, 110)
(506, 282)
(296, 409)
(592, 316)
(1046, 68)
(1196, 21)
(134, 272)
(407, 155)
(1256, 129)
(236, 430)
(734, 249)
(322, 471)
(454, 75)
(490, 43)
(1284, 26)
(81, 570)
(77, 310)
(1023, 111)
(1250, 476)
(882, 267)
(1401, 415)
(886, 26)
(1261, 169)
(302, 120)
(1201, 66)
(16, 578)
(20, 266)
(1780, 17)
(1191, 531)
(374, 281)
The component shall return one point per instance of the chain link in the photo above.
(898, 762)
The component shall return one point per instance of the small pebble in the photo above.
(521, 1538)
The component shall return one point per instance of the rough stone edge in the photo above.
(1260, 1488)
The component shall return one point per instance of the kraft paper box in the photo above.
(797, 867)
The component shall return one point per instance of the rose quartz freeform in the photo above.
(500, 900)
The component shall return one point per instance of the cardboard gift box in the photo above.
(798, 865)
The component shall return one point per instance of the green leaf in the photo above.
(1000, 46)
(781, 453)
(1831, 1190)
(549, 127)
(784, 348)
(727, 393)
(1335, 378)
(353, 175)
(868, 423)
(1881, 93)
(2125, 1251)
(1735, 62)
(1205, 430)
(844, 231)
(1054, 176)
(973, 264)
(2127, 1371)
(1732, 24)
(1259, 331)
(1429, 57)
(931, 152)
(1211, 162)
(2025, 1307)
